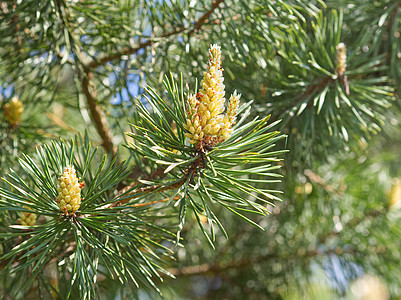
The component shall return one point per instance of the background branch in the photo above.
(217, 267)
(128, 51)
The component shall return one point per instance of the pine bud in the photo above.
(369, 287)
(206, 124)
(69, 191)
(395, 194)
(27, 218)
(13, 111)
(233, 107)
(215, 56)
(341, 59)
(341, 65)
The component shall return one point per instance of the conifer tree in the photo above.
(214, 149)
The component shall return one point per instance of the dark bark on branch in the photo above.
(97, 115)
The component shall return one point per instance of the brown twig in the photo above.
(206, 16)
(154, 202)
(139, 192)
(158, 173)
(58, 121)
(17, 28)
(97, 114)
(153, 188)
(218, 268)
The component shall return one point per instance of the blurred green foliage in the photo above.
(339, 218)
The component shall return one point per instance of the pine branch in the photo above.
(84, 75)
(217, 268)
(139, 192)
(97, 114)
(150, 189)
(128, 51)
(315, 88)
(158, 173)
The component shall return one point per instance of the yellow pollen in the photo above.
(69, 191)
(206, 124)
(341, 59)
(13, 111)
(27, 218)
